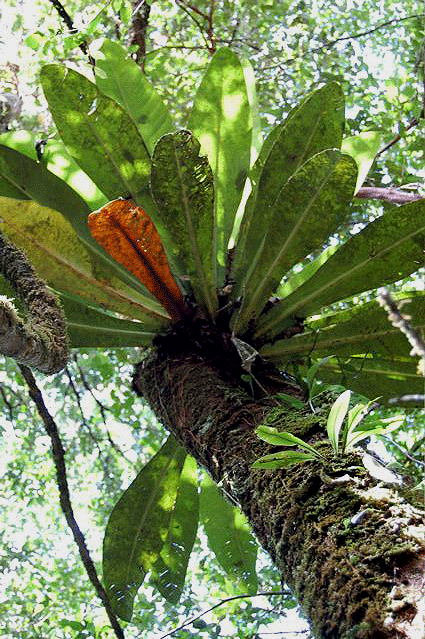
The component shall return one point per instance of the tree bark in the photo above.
(41, 341)
(352, 551)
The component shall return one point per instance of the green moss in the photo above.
(324, 523)
(299, 422)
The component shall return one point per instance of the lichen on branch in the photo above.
(40, 341)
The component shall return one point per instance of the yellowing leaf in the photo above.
(70, 266)
(127, 233)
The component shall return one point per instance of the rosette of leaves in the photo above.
(188, 196)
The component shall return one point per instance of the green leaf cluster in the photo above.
(285, 458)
(241, 221)
(345, 427)
(153, 527)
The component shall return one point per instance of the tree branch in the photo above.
(216, 423)
(220, 603)
(210, 28)
(64, 495)
(41, 341)
(413, 122)
(139, 25)
(387, 194)
(401, 322)
(64, 15)
(387, 23)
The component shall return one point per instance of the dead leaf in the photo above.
(128, 235)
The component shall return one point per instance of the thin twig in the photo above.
(193, 8)
(413, 122)
(220, 603)
(200, 47)
(89, 389)
(354, 36)
(76, 395)
(232, 40)
(176, 47)
(64, 15)
(185, 7)
(83, 418)
(387, 23)
(404, 451)
(64, 495)
(102, 410)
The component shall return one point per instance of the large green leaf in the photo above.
(388, 249)
(222, 121)
(169, 571)
(361, 329)
(297, 276)
(363, 147)
(67, 264)
(138, 526)
(99, 134)
(272, 435)
(23, 178)
(121, 79)
(315, 125)
(58, 161)
(229, 537)
(90, 327)
(283, 459)
(182, 186)
(311, 205)
(389, 378)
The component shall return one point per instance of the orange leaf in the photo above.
(128, 235)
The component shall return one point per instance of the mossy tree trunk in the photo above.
(351, 550)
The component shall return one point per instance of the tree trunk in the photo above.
(352, 551)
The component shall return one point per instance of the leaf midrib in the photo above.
(192, 236)
(289, 310)
(329, 341)
(293, 233)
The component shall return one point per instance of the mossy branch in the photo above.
(41, 340)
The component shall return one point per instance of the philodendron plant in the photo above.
(211, 223)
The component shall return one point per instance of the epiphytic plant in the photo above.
(219, 232)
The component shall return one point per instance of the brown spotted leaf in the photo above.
(127, 233)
